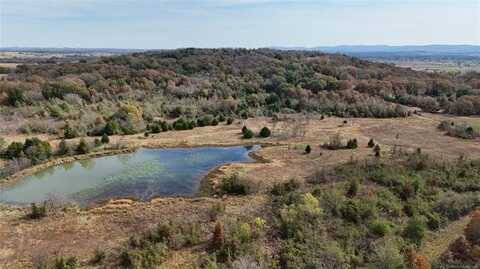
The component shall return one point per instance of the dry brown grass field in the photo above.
(78, 232)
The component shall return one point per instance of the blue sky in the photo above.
(236, 23)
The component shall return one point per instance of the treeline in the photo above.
(193, 83)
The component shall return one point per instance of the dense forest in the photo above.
(130, 91)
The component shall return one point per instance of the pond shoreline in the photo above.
(204, 182)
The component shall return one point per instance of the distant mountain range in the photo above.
(362, 51)
(69, 50)
(382, 51)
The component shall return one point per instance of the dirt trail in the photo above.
(434, 246)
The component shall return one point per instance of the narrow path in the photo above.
(436, 244)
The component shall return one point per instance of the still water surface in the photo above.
(144, 174)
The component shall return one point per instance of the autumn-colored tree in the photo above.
(472, 231)
(415, 260)
(460, 250)
(218, 238)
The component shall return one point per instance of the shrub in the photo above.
(14, 150)
(285, 187)
(308, 149)
(415, 230)
(218, 237)
(98, 257)
(69, 132)
(415, 260)
(377, 150)
(63, 148)
(37, 150)
(15, 97)
(148, 255)
(111, 127)
(221, 118)
(229, 121)
(244, 129)
(352, 143)
(380, 227)
(205, 120)
(37, 212)
(472, 231)
(296, 219)
(83, 147)
(105, 139)
(387, 256)
(232, 185)
(2, 143)
(216, 210)
(248, 134)
(353, 187)
(371, 143)
(334, 143)
(65, 263)
(265, 132)
(182, 124)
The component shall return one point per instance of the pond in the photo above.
(144, 174)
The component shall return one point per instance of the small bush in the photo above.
(63, 148)
(415, 230)
(148, 256)
(69, 132)
(353, 187)
(248, 134)
(387, 256)
(37, 212)
(352, 144)
(98, 257)
(105, 139)
(14, 150)
(216, 210)
(65, 263)
(111, 127)
(15, 97)
(83, 147)
(334, 143)
(377, 150)
(229, 121)
(244, 129)
(280, 189)
(205, 120)
(371, 143)
(380, 228)
(265, 132)
(308, 149)
(232, 185)
(218, 237)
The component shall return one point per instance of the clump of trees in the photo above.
(33, 149)
(336, 142)
(122, 95)
(233, 185)
(462, 130)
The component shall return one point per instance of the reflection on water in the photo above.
(143, 175)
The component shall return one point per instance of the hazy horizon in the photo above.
(169, 24)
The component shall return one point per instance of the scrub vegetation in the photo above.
(362, 166)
